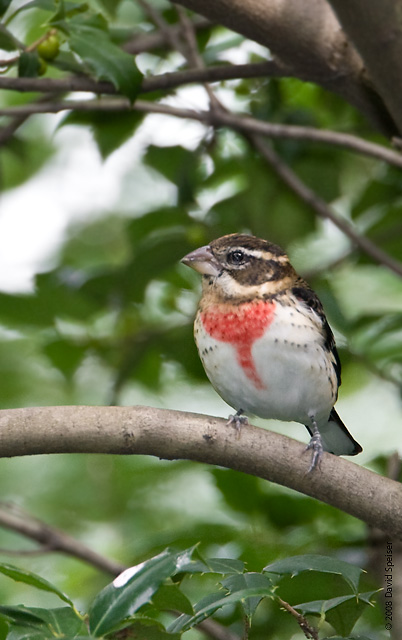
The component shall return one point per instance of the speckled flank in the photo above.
(240, 326)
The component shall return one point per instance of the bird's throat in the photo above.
(240, 326)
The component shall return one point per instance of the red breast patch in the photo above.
(241, 327)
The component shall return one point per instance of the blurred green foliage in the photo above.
(110, 321)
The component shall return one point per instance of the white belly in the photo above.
(294, 380)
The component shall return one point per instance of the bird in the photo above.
(265, 342)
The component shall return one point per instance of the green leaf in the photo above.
(341, 612)
(7, 42)
(54, 299)
(323, 564)
(110, 5)
(4, 4)
(28, 64)
(22, 633)
(106, 60)
(21, 615)
(132, 589)
(242, 583)
(149, 629)
(110, 132)
(65, 355)
(177, 165)
(62, 621)
(169, 597)
(20, 575)
(214, 601)
(225, 565)
(28, 622)
(4, 628)
(213, 565)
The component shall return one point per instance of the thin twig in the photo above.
(238, 122)
(308, 630)
(193, 56)
(163, 81)
(156, 39)
(321, 208)
(50, 538)
(172, 36)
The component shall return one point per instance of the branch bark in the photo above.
(305, 37)
(162, 82)
(180, 435)
(376, 31)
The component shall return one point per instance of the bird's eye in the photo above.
(236, 257)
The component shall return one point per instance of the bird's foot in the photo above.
(315, 445)
(237, 421)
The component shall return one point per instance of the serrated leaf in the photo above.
(225, 565)
(242, 583)
(322, 564)
(169, 597)
(214, 565)
(20, 575)
(62, 621)
(21, 615)
(28, 64)
(132, 589)
(106, 60)
(344, 616)
(148, 629)
(214, 601)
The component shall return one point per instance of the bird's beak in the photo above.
(203, 261)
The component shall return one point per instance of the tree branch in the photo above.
(249, 126)
(221, 118)
(308, 40)
(308, 630)
(376, 31)
(163, 81)
(322, 209)
(179, 435)
(158, 39)
(52, 539)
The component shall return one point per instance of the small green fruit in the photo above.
(42, 67)
(49, 48)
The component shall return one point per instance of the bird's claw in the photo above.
(237, 421)
(315, 445)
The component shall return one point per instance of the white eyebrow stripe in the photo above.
(265, 255)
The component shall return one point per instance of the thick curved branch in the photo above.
(376, 31)
(305, 37)
(180, 435)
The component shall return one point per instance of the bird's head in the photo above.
(242, 266)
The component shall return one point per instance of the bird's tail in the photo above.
(336, 438)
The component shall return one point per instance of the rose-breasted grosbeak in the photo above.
(265, 342)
